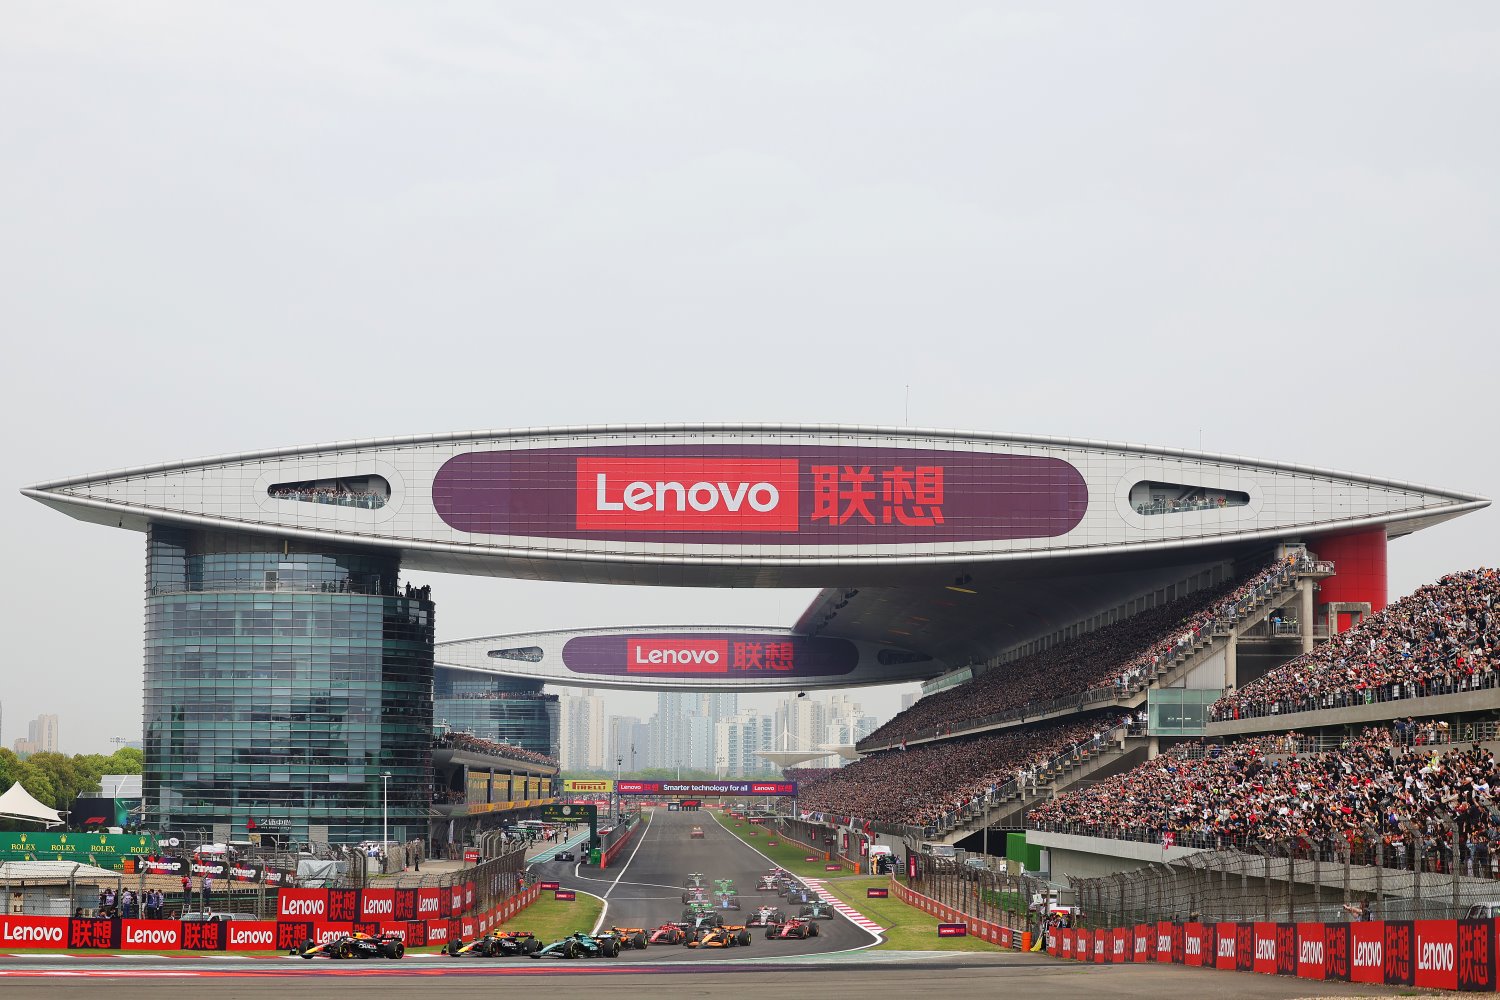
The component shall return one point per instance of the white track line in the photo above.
(868, 926)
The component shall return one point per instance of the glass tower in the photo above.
(282, 679)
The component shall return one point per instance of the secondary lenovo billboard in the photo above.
(726, 654)
(706, 787)
(760, 494)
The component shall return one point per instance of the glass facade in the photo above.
(282, 679)
(503, 709)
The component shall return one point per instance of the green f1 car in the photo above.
(581, 945)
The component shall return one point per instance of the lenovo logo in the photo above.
(1310, 952)
(152, 935)
(379, 908)
(1369, 954)
(428, 906)
(1163, 942)
(645, 656)
(1434, 956)
(686, 494)
(1226, 947)
(1265, 949)
(246, 937)
(22, 933)
(302, 907)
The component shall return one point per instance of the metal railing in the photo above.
(1333, 882)
(979, 892)
(1406, 690)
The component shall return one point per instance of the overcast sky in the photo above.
(1268, 228)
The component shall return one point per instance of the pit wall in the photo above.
(318, 914)
(1438, 954)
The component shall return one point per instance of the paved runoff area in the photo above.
(645, 891)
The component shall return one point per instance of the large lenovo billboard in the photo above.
(723, 654)
(707, 788)
(760, 494)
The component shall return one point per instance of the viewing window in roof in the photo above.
(368, 492)
(1151, 498)
(526, 654)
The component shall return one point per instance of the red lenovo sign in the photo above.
(677, 656)
(686, 494)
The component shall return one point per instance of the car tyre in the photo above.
(812, 930)
(743, 938)
(639, 941)
(610, 949)
(570, 950)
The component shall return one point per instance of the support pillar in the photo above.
(1231, 661)
(1305, 613)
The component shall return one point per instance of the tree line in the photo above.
(55, 779)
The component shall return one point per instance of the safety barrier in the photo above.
(1438, 954)
(614, 841)
(997, 934)
(425, 917)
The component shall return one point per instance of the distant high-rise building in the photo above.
(737, 742)
(41, 736)
(909, 699)
(583, 733)
(801, 724)
(685, 726)
(627, 743)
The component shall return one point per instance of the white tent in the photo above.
(17, 803)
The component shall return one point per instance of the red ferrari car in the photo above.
(796, 927)
(669, 934)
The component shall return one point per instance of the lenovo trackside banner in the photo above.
(760, 494)
(706, 787)
(725, 654)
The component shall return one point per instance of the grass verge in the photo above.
(787, 855)
(907, 928)
(551, 920)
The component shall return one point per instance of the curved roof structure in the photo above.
(950, 543)
(692, 658)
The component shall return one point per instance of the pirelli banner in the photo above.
(604, 786)
(1426, 954)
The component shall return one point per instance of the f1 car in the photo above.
(696, 833)
(796, 927)
(766, 916)
(723, 885)
(818, 909)
(695, 894)
(581, 945)
(727, 936)
(496, 944)
(630, 937)
(669, 934)
(726, 901)
(696, 918)
(564, 856)
(354, 946)
(798, 895)
(695, 879)
(768, 883)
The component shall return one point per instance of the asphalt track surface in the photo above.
(645, 892)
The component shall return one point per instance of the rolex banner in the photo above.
(105, 850)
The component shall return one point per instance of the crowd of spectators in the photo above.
(1440, 640)
(1271, 792)
(470, 743)
(367, 499)
(925, 784)
(1123, 656)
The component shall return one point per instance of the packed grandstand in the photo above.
(1122, 657)
(1415, 787)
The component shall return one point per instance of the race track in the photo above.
(647, 890)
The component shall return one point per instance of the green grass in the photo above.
(785, 854)
(907, 928)
(551, 920)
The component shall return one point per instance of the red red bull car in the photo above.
(796, 927)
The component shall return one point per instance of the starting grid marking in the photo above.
(839, 906)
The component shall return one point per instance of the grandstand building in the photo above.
(289, 666)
